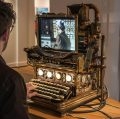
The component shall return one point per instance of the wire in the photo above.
(101, 112)
(105, 114)
(94, 109)
(68, 114)
(112, 106)
(101, 105)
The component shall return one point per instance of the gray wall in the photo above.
(113, 50)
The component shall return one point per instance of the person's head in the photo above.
(7, 21)
(61, 26)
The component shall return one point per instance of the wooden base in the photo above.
(68, 105)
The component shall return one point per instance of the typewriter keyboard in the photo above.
(52, 91)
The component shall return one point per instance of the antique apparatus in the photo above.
(68, 77)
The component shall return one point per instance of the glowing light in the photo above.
(58, 75)
(49, 74)
(68, 78)
(40, 72)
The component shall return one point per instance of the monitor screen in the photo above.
(57, 33)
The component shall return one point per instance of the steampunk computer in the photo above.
(68, 73)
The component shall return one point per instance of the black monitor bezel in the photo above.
(54, 16)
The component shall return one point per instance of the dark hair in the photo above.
(62, 26)
(7, 16)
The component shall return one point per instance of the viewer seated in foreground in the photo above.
(12, 87)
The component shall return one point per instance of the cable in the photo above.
(94, 109)
(68, 114)
(112, 106)
(101, 112)
(105, 114)
(101, 105)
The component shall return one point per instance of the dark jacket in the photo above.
(62, 41)
(12, 93)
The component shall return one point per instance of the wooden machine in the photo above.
(71, 73)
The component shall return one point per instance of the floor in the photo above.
(35, 117)
(26, 71)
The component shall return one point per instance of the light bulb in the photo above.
(49, 74)
(58, 75)
(40, 72)
(68, 78)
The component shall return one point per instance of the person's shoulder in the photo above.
(9, 78)
(8, 72)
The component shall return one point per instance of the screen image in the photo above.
(57, 33)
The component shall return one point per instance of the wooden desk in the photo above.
(112, 108)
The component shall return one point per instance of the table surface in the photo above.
(112, 109)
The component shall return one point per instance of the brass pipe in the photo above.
(101, 69)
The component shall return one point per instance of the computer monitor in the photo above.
(57, 32)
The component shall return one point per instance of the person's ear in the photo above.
(5, 36)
